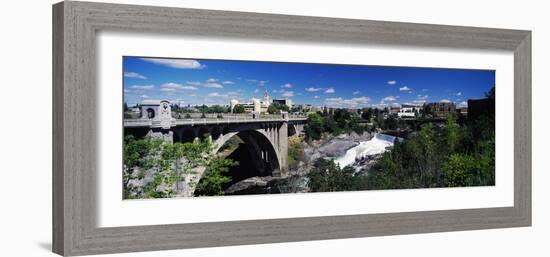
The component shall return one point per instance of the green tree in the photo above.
(367, 114)
(272, 109)
(457, 170)
(326, 176)
(390, 123)
(451, 133)
(295, 152)
(275, 108)
(216, 109)
(239, 108)
(314, 126)
(215, 177)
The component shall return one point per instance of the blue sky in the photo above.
(198, 81)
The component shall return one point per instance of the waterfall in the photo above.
(376, 145)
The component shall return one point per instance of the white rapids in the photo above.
(376, 145)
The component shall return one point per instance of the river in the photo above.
(377, 145)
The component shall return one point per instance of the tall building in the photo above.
(254, 106)
(440, 109)
(266, 99)
(286, 102)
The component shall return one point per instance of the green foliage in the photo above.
(214, 179)
(367, 113)
(275, 108)
(451, 133)
(295, 109)
(337, 122)
(326, 176)
(390, 123)
(216, 109)
(272, 109)
(471, 169)
(135, 151)
(457, 170)
(188, 116)
(438, 157)
(169, 163)
(295, 153)
(239, 108)
(314, 126)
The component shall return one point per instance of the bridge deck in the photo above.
(134, 123)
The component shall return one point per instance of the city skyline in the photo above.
(210, 82)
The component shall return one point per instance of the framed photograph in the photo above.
(182, 128)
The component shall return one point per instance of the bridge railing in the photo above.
(233, 116)
(211, 119)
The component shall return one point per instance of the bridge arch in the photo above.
(216, 132)
(204, 132)
(188, 135)
(292, 130)
(264, 156)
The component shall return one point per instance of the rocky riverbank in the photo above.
(296, 181)
(333, 146)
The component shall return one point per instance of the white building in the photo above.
(254, 106)
(409, 111)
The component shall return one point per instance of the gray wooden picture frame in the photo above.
(75, 25)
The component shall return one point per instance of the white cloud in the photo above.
(175, 63)
(278, 91)
(134, 75)
(143, 87)
(463, 104)
(257, 90)
(356, 92)
(127, 90)
(330, 91)
(171, 87)
(260, 83)
(288, 94)
(404, 88)
(419, 101)
(445, 101)
(389, 99)
(459, 94)
(392, 82)
(220, 98)
(144, 96)
(340, 102)
(422, 97)
(213, 85)
(233, 93)
(313, 89)
(194, 83)
(228, 82)
(287, 85)
(216, 94)
(316, 97)
(211, 80)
